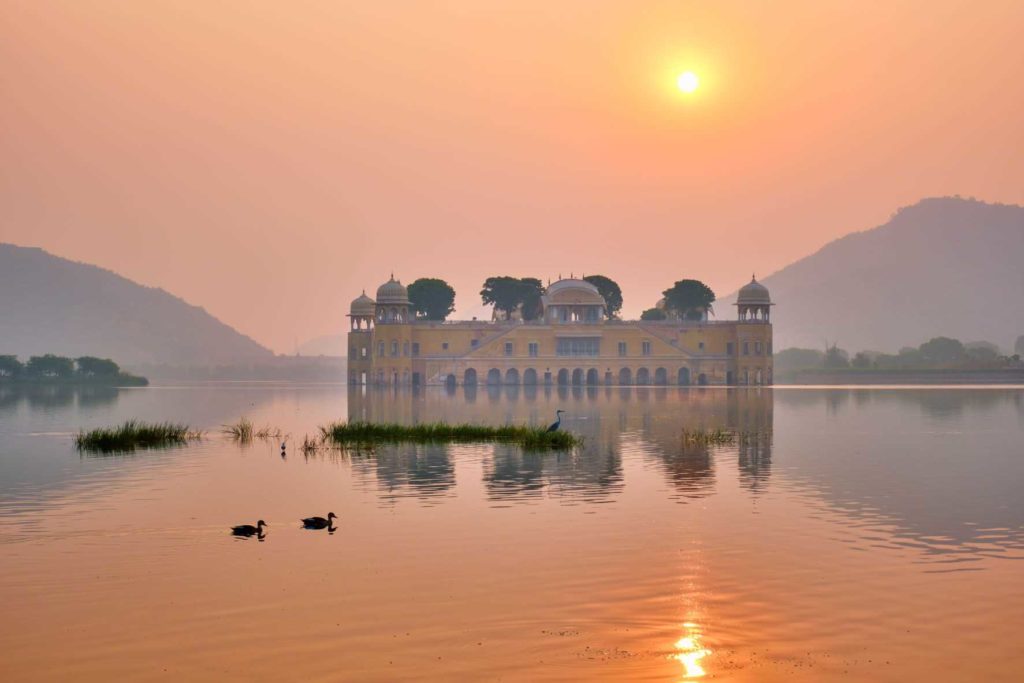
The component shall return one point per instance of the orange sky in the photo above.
(267, 160)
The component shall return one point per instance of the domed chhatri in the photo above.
(392, 305)
(753, 302)
(573, 300)
(363, 305)
(753, 293)
(568, 340)
(392, 292)
(362, 312)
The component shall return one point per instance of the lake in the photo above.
(857, 533)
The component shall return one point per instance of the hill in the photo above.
(52, 305)
(944, 266)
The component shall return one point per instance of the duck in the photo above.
(319, 522)
(249, 529)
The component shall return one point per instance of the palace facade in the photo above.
(572, 342)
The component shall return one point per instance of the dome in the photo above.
(392, 292)
(753, 293)
(573, 291)
(362, 305)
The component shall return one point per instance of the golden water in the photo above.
(861, 534)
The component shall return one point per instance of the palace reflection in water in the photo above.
(648, 419)
(840, 537)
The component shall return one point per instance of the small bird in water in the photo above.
(557, 423)
(248, 529)
(319, 522)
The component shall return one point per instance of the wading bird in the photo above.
(249, 529)
(557, 423)
(319, 522)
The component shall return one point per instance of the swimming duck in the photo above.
(319, 522)
(249, 529)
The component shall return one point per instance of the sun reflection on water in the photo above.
(690, 651)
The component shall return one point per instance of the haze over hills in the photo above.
(325, 345)
(944, 266)
(52, 305)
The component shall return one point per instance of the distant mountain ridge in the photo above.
(52, 305)
(944, 266)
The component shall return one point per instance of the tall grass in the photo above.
(310, 446)
(244, 431)
(362, 433)
(239, 431)
(134, 434)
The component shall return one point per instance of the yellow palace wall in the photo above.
(713, 353)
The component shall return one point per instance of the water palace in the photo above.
(572, 342)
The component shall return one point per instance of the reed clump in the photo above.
(244, 431)
(709, 437)
(361, 433)
(311, 446)
(135, 434)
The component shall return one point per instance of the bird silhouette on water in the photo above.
(558, 422)
(248, 530)
(320, 522)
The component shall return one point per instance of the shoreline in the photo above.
(902, 377)
(119, 381)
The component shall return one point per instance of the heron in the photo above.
(558, 422)
(319, 522)
(248, 529)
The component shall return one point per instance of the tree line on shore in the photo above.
(53, 368)
(434, 299)
(938, 353)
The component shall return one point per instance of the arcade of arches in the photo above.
(641, 376)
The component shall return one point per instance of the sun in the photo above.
(687, 81)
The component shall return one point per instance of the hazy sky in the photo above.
(268, 160)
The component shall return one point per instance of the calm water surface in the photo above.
(864, 534)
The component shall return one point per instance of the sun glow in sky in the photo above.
(195, 148)
(687, 81)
